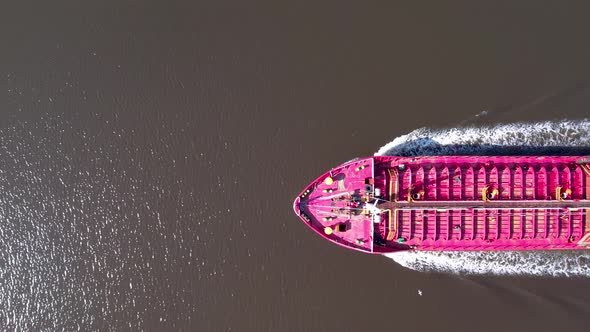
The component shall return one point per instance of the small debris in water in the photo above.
(420, 292)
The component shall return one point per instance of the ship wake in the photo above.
(537, 263)
(541, 138)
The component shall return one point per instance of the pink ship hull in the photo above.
(387, 204)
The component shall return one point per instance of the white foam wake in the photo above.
(545, 263)
(560, 137)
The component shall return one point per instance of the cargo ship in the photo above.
(386, 204)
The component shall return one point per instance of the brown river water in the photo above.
(150, 152)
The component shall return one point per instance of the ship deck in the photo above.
(489, 203)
